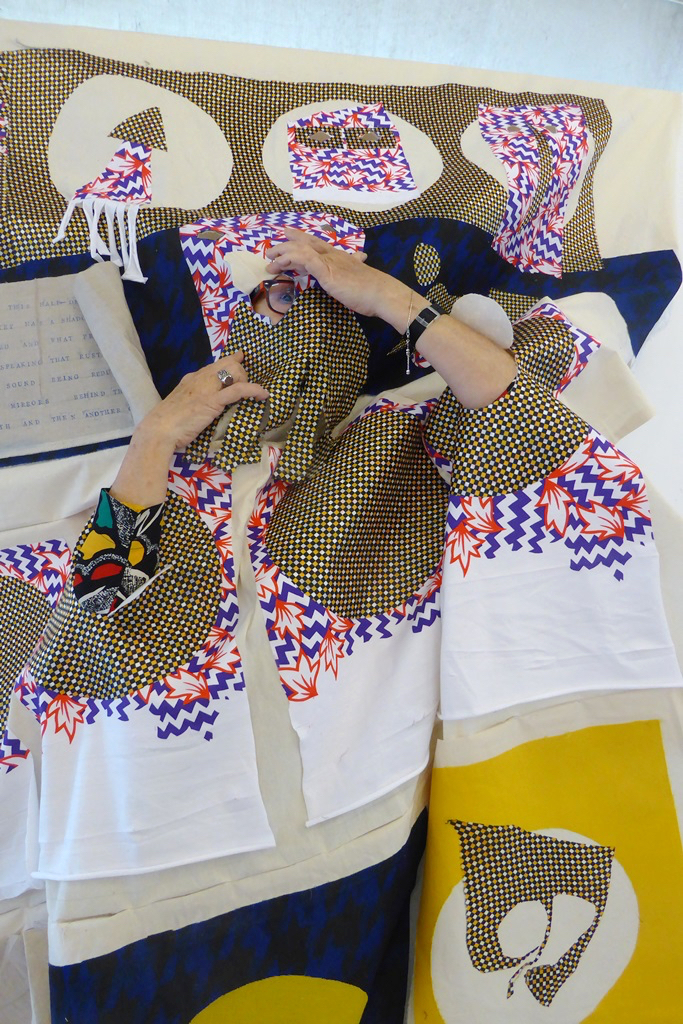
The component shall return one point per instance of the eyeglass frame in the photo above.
(263, 288)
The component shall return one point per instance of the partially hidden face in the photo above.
(274, 297)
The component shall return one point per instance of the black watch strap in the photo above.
(423, 319)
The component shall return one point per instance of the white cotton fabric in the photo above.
(99, 294)
(523, 627)
(135, 803)
(18, 848)
(369, 730)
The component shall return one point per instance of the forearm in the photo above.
(475, 368)
(142, 479)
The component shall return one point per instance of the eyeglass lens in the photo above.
(281, 295)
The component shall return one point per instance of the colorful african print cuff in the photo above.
(117, 554)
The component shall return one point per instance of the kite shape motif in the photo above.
(118, 192)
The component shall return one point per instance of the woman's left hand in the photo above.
(343, 275)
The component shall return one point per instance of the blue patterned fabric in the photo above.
(355, 930)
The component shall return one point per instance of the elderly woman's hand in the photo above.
(475, 368)
(342, 274)
(198, 399)
(195, 403)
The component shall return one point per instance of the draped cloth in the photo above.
(235, 762)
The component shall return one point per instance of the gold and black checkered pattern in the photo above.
(107, 656)
(427, 263)
(511, 443)
(515, 306)
(24, 614)
(146, 128)
(504, 866)
(39, 81)
(544, 348)
(313, 363)
(438, 294)
(367, 530)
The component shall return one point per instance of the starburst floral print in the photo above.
(118, 192)
(368, 168)
(530, 235)
(595, 503)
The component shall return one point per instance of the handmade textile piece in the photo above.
(313, 364)
(3, 130)
(553, 878)
(147, 128)
(31, 579)
(252, 783)
(542, 149)
(119, 555)
(208, 245)
(376, 502)
(505, 866)
(308, 956)
(162, 671)
(118, 192)
(583, 535)
(347, 153)
(357, 741)
(104, 657)
(245, 111)
(443, 259)
(573, 516)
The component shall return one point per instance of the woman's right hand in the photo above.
(197, 400)
(195, 403)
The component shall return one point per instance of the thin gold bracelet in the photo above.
(407, 334)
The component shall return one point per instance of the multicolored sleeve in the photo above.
(117, 554)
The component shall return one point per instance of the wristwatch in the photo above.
(423, 319)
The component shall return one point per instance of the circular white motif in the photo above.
(185, 176)
(426, 165)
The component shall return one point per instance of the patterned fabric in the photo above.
(355, 150)
(495, 450)
(118, 192)
(313, 363)
(505, 866)
(118, 555)
(109, 656)
(550, 347)
(39, 81)
(24, 614)
(641, 285)
(316, 936)
(595, 503)
(208, 244)
(366, 531)
(147, 128)
(542, 149)
(515, 306)
(544, 348)
(427, 263)
(31, 580)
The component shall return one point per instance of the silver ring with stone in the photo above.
(225, 378)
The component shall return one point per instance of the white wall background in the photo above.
(623, 42)
(626, 42)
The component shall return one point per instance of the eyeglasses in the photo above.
(280, 293)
